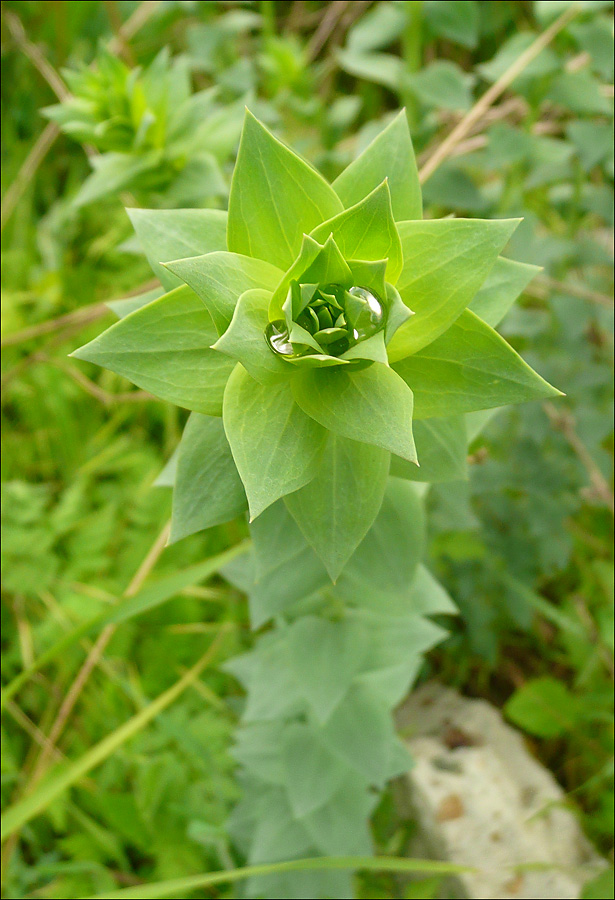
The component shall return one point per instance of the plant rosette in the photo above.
(325, 336)
(153, 135)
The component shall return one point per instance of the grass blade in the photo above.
(34, 804)
(148, 598)
(372, 863)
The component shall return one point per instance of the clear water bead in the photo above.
(276, 334)
(371, 318)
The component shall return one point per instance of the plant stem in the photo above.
(268, 14)
(412, 46)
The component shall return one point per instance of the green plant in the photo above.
(329, 343)
(153, 135)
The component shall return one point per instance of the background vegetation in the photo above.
(524, 546)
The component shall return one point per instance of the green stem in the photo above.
(412, 46)
(268, 14)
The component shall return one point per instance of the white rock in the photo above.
(482, 800)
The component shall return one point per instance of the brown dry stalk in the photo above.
(564, 422)
(327, 26)
(573, 290)
(82, 316)
(26, 172)
(92, 660)
(35, 56)
(463, 128)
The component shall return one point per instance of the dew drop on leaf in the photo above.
(370, 320)
(276, 334)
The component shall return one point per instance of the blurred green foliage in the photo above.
(524, 546)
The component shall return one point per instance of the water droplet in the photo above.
(276, 335)
(371, 317)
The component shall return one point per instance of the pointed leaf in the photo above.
(442, 450)
(367, 231)
(337, 508)
(244, 339)
(372, 405)
(208, 489)
(361, 733)
(295, 578)
(312, 772)
(113, 172)
(164, 348)
(127, 305)
(387, 557)
(168, 234)
(504, 283)
(276, 447)
(326, 657)
(275, 197)
(342, 825)
(221, 278)
(445, 263)
(470, 367)
(390, 155)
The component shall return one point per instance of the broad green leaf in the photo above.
(325, 657)
(503, 285)
(378, 27)
(312, 772)
(442, 84)
(390, 155)
(286, 569)
(267, 674)
(168, 234)
(275, 198)
(166, 477)
(593, 140)
(399, 645)
(445, 263)
(201, 178)
(469, 367)
(427, 596)
(276, 538)
(373, 405)
(361, 733)
(336, 509)
(113, 172)
(258, 747)
(442, 451)
(244, 339)
(422, 596)
(127, 305)
(383, 68)
(208, 489)
(457, 20)
(295, 578)
(477, 421)
(580, 93)
(367, 231)
(544, 707)
(165, 348)
(387, 557)
(342, 825)
(276, 447)
(221, 278)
